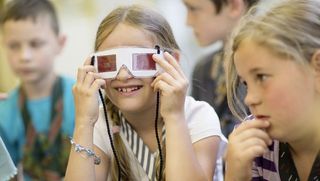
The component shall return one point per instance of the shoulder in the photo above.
(201, 117)
(67, 81)
(195, 109)
(68, 102)
(9, 104)
(204, 64)
(203, 122)
(10, 116)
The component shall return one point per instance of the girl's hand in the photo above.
(85, 93)
(172, 84)
(246, 142)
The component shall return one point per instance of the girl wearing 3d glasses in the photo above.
(146, 128)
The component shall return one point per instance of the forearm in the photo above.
(181, 161)
(80, 166)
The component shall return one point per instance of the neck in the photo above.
(39, 89)
(308, 145)
(143, 121)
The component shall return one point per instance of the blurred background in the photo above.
(79, 20)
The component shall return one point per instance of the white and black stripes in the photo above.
(141, 151)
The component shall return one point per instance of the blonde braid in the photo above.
(157, 163)
(126, 172)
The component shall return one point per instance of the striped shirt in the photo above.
(266, 166)
(141, 151)
(141, 159)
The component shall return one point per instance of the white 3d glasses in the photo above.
(136, 60)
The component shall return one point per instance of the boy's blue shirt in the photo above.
(11, 124)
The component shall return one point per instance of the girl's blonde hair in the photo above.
(290, 29)
(160, 31)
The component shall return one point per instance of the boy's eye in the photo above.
(14, 46)
(37, 44)
(192, 8)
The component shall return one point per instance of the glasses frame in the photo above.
(124, 57)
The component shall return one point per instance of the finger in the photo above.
(97, 84)
(82, 72)
(88, 61)
(252, 124)
(251, 133)
(88, 80)
(251, 142)
(166, 66)
(165, 77)
(163, 87)
(250, 153)
(177, 85)
(173, 62)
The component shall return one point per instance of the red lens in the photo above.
(107, 63)
(143, 61)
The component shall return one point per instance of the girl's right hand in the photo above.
(86, 97)
(246, 142)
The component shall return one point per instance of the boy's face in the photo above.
(31, 47)
(207, 25)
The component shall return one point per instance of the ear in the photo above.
(61, 42)
(315, 63)
(236, 8)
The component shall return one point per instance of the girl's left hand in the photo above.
(172, 84)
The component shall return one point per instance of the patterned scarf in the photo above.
(45, 155)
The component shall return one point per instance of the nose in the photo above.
(25, 54)
(124, 73)
(252, 98)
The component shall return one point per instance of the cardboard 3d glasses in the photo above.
(136, 60)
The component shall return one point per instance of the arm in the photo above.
(184, 160)
(246, 142)
(81, 167)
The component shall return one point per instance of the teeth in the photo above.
(129, 89)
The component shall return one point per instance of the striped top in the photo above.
(141, 151)
(141, 158)
(266, 166)
(277, 164)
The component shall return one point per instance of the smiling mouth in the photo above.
(128, 89)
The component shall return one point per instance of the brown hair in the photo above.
(24, 9)
(159, 29)
(219, 4)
